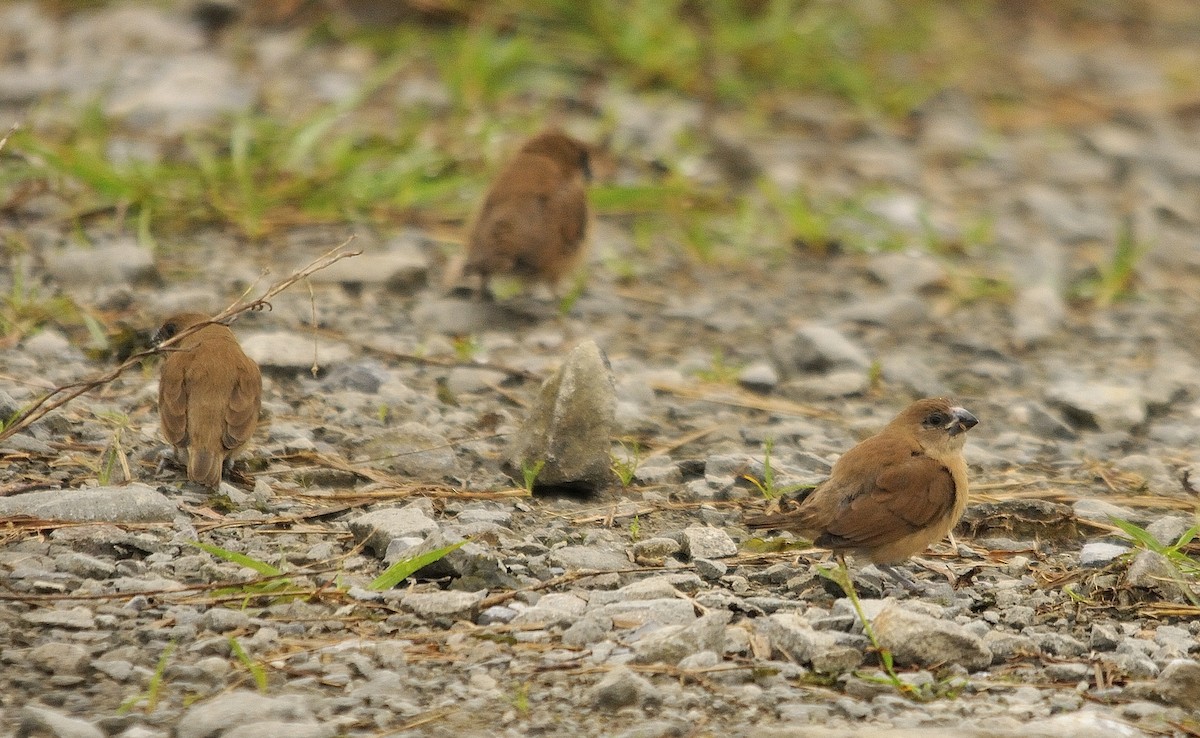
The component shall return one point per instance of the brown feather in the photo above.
(892, 495)
(209, 396)
(533, 220)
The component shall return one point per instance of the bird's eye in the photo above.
(168, 331)
(937, 420)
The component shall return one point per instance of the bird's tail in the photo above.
(777, 520)
(204, 467)
(783, 512)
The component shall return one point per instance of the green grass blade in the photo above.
(256, 669)
(404, 568)
(1139, 535)
(261, 567)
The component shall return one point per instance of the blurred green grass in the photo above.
(505, 66)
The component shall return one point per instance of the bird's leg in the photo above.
(167, 456)
(485, 293)
(901, 577)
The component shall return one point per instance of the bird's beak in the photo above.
(963, 421)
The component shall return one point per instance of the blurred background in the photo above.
(1016, 142)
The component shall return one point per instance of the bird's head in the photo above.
(570, 153)
(937, 425)
(176, 324)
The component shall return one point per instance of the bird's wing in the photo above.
(241, 415)
(903, 498)
(570, 212)
(172, 398)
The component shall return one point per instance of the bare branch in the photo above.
(60, 396)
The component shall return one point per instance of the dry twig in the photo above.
(59, 396)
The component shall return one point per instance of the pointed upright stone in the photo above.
(570, 426)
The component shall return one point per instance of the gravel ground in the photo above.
(644, 609)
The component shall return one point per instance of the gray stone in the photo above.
(793, 637)
(38, 720)
(907, 271)
(572, 420)
(149, 95)
(710, 569)
(671, 644)
(215, 717)
(472, 565)
(949, 126)
(1152, 571)
(49, 344)
(636, 613)
(557, 609)
(117, 263)
(620, 688)
(1157, 478)
(834, 384)
(365, 376)
(658, 471)
(1021, 519)
(891, 311)
(452, 316)
(8, 406)
(918, 639)
(223, 620)
(706, 543)
(496, 614)
(133, 503)
(1079, 724)
(902, 210)
(1173, 641)
(817, 348)
(1179, 684)
(1009, 646)
(293, 351)
(760, 375)
(1070, 219)
(699, 661)
(654, 588)
(1133, 665)
(1037, 314)
(449, 604)
(401, 269)
(25, 443)
(1169, 529)
(1099, 406)
(85, 565)
(413, 451)
(1042, 421)
(589, 558)
(911, 369)
(1068, 672)
(1102, 511)
(654, 550)
(484, 515)
(378, 528)
(1103, 637)
(279, 728)
(724, 469)
(468, 379)
(1060, 644)
(1099, 553)
(76, 618)
(585, 631)
(59, 658)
